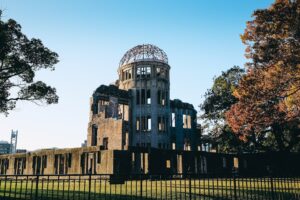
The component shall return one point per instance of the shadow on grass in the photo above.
(78, 195)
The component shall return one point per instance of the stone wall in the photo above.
(147, 161)
(59, 161)
(114, 130)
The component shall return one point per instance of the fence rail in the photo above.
(175, 186)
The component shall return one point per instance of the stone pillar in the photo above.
(154, 114)
(146, 165)
(179, 164)
(196, 164)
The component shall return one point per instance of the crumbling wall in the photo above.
(112, 130)
(108, 126)
(59, 161)
(184, 133)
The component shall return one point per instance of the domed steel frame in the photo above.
(144, 52)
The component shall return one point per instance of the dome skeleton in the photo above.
(145, 52)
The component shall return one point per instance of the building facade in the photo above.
(5, 147)
(137, 110)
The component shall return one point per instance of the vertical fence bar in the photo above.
(89, 190)
(297, 187)
(110, 189)
(183, 186)
(105, 188)
(131, 187)
(208, 187)
(190, 187)
(42, 192)
(166, 187)
(120, 186)
(180, 187)
(272, 188)
(26, 184)
(221, 187)
(151, 179)
(16, 182)
(58, 188)
(99, 194)
(227, 187)
(21, 189)
(52, 191)
(63, 187)
(294, 188)
(204, 188)
(161, 189)
(170, 186)
(47, 192)
(74, 186)
(234, 187)
(10, 183)
(36, 186)
(1, 181)
(69, 183)
(141, 186)
(217, 187)
(5, 180)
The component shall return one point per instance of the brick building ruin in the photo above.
(137, 110)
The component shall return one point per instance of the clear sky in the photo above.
(201, 39)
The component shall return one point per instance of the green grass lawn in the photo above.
(155, 189)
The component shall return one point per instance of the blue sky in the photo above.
(201, 39)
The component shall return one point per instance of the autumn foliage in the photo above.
(269, 94)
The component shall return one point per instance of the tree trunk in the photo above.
(277, 131)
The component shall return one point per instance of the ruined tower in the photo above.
(144, 72)
(137, 111)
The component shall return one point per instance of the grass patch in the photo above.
(73, 188)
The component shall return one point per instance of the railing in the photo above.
(176, 186)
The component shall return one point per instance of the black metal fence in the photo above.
(175, 186)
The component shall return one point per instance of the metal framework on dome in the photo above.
(144, 52)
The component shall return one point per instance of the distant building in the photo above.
(21, 151)
(84, 144)
(5, 147)
(13, 141)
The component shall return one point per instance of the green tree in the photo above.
(20, 58)
(217, 101)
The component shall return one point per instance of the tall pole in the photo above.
(13, 141)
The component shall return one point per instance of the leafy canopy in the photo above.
(268, 95)
(217, 101)
(20, 58)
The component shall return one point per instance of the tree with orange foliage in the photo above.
(268, 95)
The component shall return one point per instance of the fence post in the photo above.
(234, 186)
(190, 186)
(5, 180)
(272, 188)
(37, 186)
(90, 185)
(141, 186)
